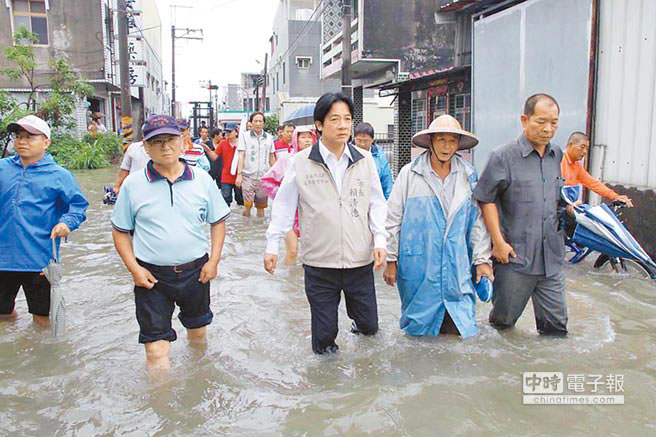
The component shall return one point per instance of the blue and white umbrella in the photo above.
(599, 229)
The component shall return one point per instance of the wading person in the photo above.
(253, 163)
(519, 192)
(39, 201)
(364, 139)
(212, 152)
(283, 145)
(226, 153)
(168, 206)
(193, 153)
(302, 138)
(135, 159)
(436, 234)
(342, 213)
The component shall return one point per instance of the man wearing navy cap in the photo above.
(167, 206)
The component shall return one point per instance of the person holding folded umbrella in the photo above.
(41, 201)
(437, 235)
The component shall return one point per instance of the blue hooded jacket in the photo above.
(383, 168)
(32, 201)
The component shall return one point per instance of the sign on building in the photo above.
(138, 76)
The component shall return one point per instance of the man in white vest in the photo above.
(342, 211)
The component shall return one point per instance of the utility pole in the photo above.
(173, 71)
(124, 60)
(257, 95)
(211, 87)
(346, 48)
(264, 81)
(185, 34)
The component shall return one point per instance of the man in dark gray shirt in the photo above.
(519, 192)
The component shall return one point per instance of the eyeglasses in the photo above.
(26, 137)
(161, 142)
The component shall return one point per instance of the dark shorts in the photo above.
(35, 286)
(155, 306)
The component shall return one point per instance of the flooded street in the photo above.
(258, 375)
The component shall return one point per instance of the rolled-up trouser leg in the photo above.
(550, 306)
(360, 295)
(323, 288)
(511, 293)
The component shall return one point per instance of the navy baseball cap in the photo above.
(182, 123)
(159, 124)
(231, 126)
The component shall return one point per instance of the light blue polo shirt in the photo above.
(169, 219)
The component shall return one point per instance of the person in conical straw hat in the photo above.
(437, 235)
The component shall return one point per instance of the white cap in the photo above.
(32, 124)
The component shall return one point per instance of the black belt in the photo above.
(192, 265)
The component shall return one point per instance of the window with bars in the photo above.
(418, 116)
(31, 14)
(438, 106)
(461, 109)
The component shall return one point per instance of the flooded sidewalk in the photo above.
(258, 375)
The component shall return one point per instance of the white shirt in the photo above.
(135, 158)
(286, 201)
(446, 188)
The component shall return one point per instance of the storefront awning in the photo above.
(427, 78)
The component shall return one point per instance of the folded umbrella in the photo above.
(54, 272)
(485, 289)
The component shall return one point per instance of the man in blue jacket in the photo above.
(39, 201)
(364, 139)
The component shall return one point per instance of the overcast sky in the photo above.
(236, 34)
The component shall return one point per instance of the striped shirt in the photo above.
(191, 156)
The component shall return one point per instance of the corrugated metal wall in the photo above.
(625, 124)
(535, 46)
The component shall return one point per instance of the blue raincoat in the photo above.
(32, 201)
(384, 172)
(436, 251)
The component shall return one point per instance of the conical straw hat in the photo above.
(445, 124)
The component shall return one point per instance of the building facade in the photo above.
(294, 68)
(87, 39)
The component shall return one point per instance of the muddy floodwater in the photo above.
(258, 375)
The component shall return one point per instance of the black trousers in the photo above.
(324, 286)
(226, 192)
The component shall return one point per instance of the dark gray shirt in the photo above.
(526, 189)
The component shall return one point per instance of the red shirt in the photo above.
(281, 146)
(227, 153)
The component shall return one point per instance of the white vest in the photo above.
(335, 229)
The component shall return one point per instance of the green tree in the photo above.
(22, 54)
(65, 88)
(271, 124)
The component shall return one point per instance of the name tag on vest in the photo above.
(316, 178)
